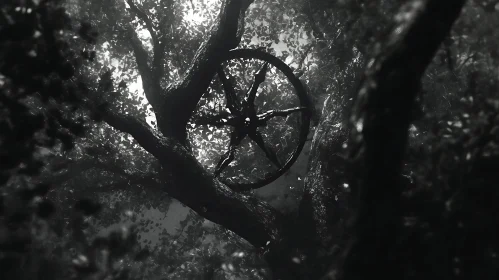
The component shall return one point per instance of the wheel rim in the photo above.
(248, 123)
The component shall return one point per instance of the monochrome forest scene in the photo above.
(249, 139)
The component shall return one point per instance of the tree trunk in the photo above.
(377, 137)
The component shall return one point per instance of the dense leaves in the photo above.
(36, 62)
(41, 112)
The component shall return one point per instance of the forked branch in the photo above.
(148, 22)
(151, 75)
(224, 36)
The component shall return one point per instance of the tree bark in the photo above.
(378, 137)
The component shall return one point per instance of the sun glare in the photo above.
(198, 12)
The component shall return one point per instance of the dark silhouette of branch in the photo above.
(149, 84)
(158, 40)
(380, 120)
(148, 22)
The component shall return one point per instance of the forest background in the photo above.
(105, 173)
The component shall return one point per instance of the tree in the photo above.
(362, 181)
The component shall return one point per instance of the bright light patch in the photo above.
(199, 12)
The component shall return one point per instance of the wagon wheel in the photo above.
(257, 101)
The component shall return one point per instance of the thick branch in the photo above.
(380, 120)
(248, 217)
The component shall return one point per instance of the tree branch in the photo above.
(192, 185)
(149, 84)
(157, 43)
(165, 32)
(380, 121)
(148, 22)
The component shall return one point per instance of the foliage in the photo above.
(36, 60)
(41, 111)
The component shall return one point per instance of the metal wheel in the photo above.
(255, 106)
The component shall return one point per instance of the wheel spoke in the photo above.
(269, 152)
(279, 113)
(218, 120)
(228, 157)
(249, 99)
(232, 103)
